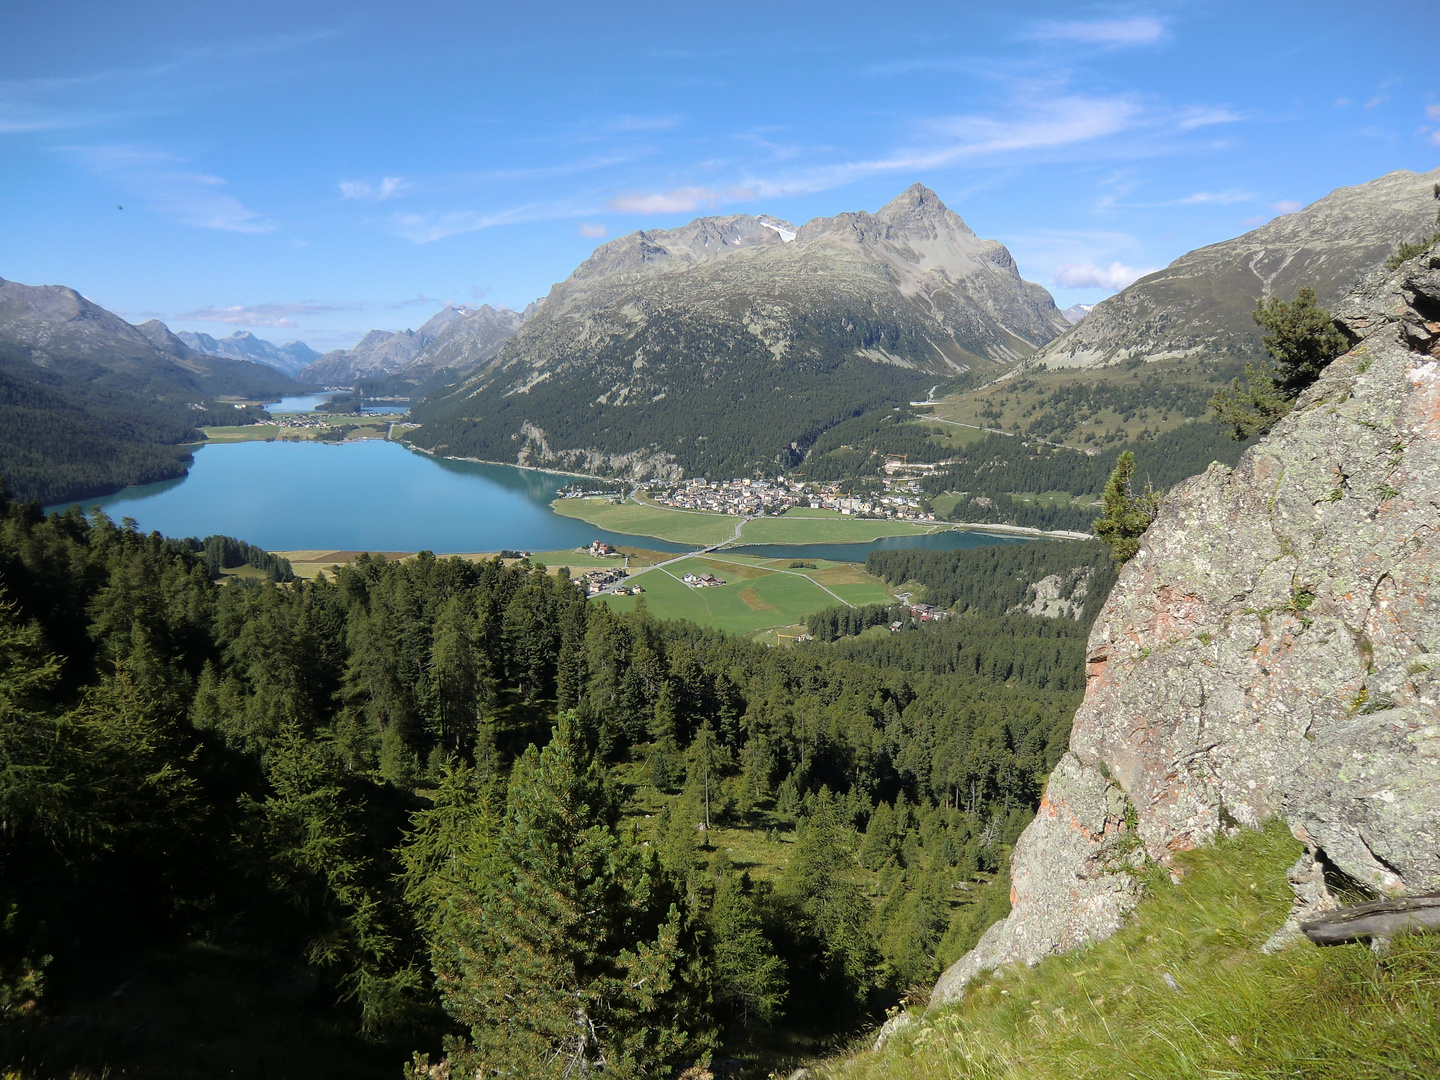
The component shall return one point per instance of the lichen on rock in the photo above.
(1268, 653)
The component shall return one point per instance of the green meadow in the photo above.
(757, 595)
(677, 526)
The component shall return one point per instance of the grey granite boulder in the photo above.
(1270, 652)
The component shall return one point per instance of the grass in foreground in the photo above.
(1107, 1011)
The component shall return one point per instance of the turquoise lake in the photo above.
(379, 496)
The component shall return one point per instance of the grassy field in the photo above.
(678, 526)
(1340, 1013)
(364, 429)
(799, 526)
(757, 595)
(831, 528)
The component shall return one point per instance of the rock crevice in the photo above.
(1270, 652)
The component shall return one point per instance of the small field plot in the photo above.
(832, 529)
(751, 599)
(677, 526)
(248, 433)
(852, 584)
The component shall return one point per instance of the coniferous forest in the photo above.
(445, 814)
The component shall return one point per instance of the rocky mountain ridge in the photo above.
(451, 338)
(54, 328)
(1200, 304)
(645, 356)
(243, 345)
(1266, 654)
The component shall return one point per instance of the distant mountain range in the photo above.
(729, 344)
(90, 403)
(455, 337)
(243, 345)
(1075, 312)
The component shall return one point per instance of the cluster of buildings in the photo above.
(600, 550)
(755, 498)
(605, 580)
(926, 613)
(702, 581)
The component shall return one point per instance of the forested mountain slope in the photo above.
(299, 828)
(727, 346)
(90, 404)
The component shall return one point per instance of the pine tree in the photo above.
(702, 780)
(816, 881)
(749, 977)
(1302, 339)
(454, 677)
(569, 953)
(306, 841)
(1125, 515)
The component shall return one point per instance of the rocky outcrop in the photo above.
(1270, 652)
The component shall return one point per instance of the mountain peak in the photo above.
(917, 205)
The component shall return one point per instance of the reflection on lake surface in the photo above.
(379, 496)
(373, 495)
(303, 403)
(298, 403)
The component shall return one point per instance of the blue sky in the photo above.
(311, 170)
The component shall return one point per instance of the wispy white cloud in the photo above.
(273, 315)
(1197, 116)
(592, 230)
(1215, 198)
(427, 228)
(642, 123)
(1087, 275)
(387, 188)
(1033, 123)
(1286, 206)
(674, 201)
(162, 182)
(418, 300)
(1433, 111)
(1140, 30)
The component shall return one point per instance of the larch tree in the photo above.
(569, 952)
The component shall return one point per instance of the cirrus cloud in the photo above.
(161, 181)
(387, 188)
(1142, 30)
(274, 315)
(675, 201)
(592, 230)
